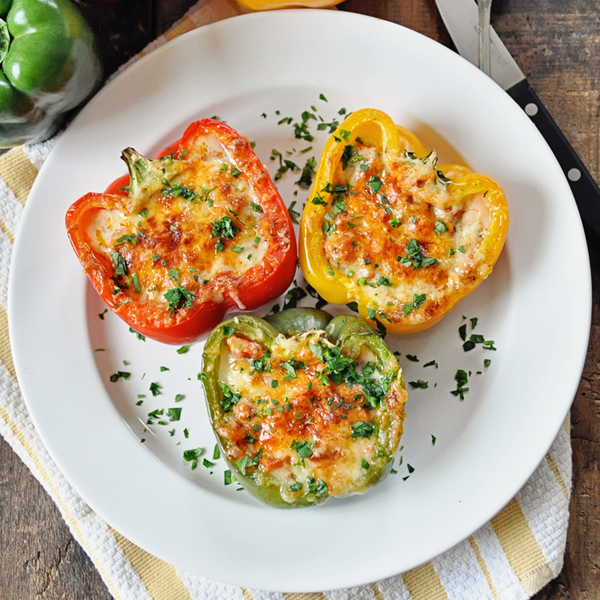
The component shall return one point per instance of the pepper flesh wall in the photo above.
(305, 409)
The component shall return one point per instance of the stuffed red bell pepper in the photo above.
(196, 233)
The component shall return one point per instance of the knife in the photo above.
(461, 18)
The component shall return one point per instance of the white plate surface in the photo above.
(536, 307)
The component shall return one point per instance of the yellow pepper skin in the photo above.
(391, 233)
(274, 4)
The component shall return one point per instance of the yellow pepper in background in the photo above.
(427, 235)
(273, 4)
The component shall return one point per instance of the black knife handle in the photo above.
(584, 187)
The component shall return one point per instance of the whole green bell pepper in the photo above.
(304, 406)
(48, 66)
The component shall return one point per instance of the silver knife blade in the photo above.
(461, 18)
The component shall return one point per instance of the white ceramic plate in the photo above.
(535, 306)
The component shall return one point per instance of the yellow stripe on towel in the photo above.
(305, 596)
(18, 172)
(377, 591)
(424, 583)
(159, 577)
(5, 353)
(182, 27)
(554, 468)
(7, 232)
(522, 550)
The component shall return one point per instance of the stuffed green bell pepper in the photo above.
(48, 66)
(305, 407)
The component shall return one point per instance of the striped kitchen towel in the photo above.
(511, 557)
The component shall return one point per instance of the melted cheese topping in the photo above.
(202, 231)
(393, 228)
(301, 426)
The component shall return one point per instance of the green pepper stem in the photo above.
(145, 176)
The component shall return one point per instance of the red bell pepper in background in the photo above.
(195, 234)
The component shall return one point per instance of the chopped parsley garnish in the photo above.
(131, 238)
(318, 199)
(461, 379)
(246, 462)
(308, 170)
(120, 374)
(154, 389)
(193, 455)
(414, 257)
(362, 429)
(176, 190)
(119, 264)
(138, 334)
(294, 214)
(230, 398)
(419, 384)
(289, 368)
(183, 349)
(223, 229)
(174, 414)
(261, 364)
(304, 449)
(418, 299)
(178, 297)
(374, 183)
(440, 227)
(295, 487)
(319, 488)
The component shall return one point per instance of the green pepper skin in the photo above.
(297, 320)
(349, 332)
(49, 66)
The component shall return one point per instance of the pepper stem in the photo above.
(146, 177)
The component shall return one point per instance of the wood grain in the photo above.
(557, 45)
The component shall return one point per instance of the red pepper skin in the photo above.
(257, 286)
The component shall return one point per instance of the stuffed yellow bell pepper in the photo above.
(389, 230)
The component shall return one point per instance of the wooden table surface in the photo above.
(557, 45)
